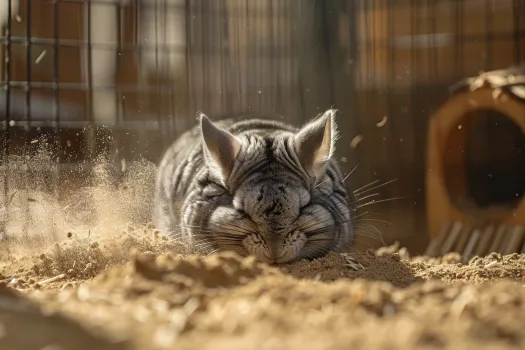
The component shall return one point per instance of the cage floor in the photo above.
(380, 300)
(82, 272)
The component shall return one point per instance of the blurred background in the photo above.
(126, 77)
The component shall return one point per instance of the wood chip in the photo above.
(52, 279)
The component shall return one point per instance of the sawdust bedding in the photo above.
(103, 283)
(144, 291)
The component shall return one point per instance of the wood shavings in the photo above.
(52, 279)
(352, 263)
(491, 264)
(497, 93)
(191, 305)
(518, 91)
(497, 80)
(477, 83)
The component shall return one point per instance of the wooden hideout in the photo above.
(460, 224)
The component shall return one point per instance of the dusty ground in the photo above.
(104, 281)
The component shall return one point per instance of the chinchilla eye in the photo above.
(213, 190)
(237, 204)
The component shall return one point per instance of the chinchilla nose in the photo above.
(275, 243)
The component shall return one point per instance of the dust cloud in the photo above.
(83, 220)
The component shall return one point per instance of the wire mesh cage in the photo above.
(125, 77)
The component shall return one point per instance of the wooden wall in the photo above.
(396, 60)
(426, 42)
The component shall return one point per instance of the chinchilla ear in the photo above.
(315, 143)
(221, 148)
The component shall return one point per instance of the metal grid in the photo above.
(368, 58)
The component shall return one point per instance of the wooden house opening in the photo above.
(490, 168)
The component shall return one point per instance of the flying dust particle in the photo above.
(355, 141)
(382, 122)
(41, 57)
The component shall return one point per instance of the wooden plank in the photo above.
(450, 241)
(431, 29)
(486, 237)
(471, 245)
(514, 240)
